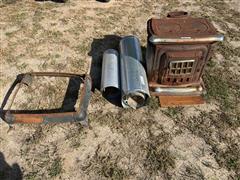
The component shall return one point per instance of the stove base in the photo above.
(171, 101)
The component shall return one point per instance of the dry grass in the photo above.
(200, 142)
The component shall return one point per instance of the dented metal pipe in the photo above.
(134, 84)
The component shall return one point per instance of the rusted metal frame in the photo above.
(11, 116)
(54, 74)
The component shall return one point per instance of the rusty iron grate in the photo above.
(181, 67)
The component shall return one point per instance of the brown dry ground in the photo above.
(197, 142)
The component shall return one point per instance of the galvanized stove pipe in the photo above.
(134, 84)
(110, 81)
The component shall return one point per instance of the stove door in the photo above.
(181, 67)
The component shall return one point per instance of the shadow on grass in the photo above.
(9, 172)
(98, 47)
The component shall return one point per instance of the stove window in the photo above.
(181, 67)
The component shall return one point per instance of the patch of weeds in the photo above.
(126, 121)
(22, 66)
(35, 137)
(41, 160)
(200, 125)
(107, 118)
(88, 18)
(77, 30)
(227, 50)
(8, 1)
(50, 6)
(11, 59)
(191, 171)
(52, 88)
(231, 33)
(224, 11)
(171, 4)
(54, 36)
(158, 160)
(229, 157)
(173, 112)
(158, 157)
(223, 88)
(77, 64)
(31, 175)
(55, 168)
(105, 165)
(112, 171)
(57, 56)
(211, 63)
(237, 50)
(75, 135)
(82, 48)
(10, 34)
(212, 124)
(217, 88)
(96, 98)
(43, 66)
(153, 103)
(18, 18)
(230, 120)
(37, 17)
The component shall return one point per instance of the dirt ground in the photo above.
(196, 142)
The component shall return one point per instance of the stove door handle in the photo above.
(177, 14)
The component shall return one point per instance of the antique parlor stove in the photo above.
(178, 49)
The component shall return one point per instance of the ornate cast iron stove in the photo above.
(178, 49)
